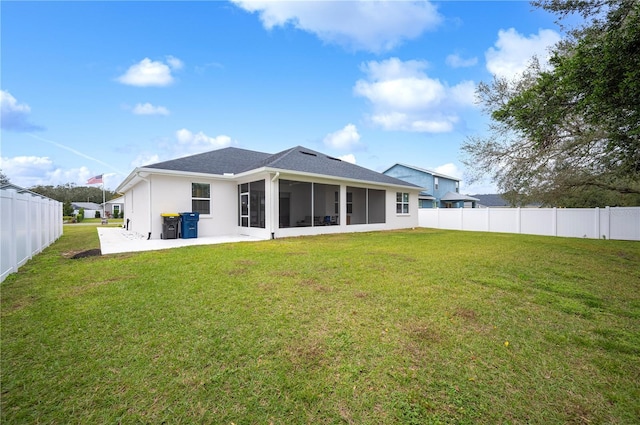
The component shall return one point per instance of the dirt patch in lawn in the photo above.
(84, 254)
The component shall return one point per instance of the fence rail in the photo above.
(622, 223)
(29, 224)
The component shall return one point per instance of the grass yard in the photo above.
(407, 327)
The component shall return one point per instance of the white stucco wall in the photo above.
(172, 194)
(136, 208)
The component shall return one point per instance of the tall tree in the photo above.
(3, 178)
(570, 135)
(71, 193)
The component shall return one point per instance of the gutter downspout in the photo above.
(273, 205)
(150, 216)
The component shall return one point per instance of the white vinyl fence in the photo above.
(621, 223)
(29, 224)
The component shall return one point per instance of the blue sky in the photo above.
(102, 87)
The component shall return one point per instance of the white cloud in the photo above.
(151, 73)
(189, 143)
(29, 171)
(14, 116)
(448, 169)
(348, 158)
(364, 25)
(513, 51)
(175, 63)
(346, 138)
(456, 61)
(405, 98)
(464, 93)
(145, 159)
(479, 188)
(149, 109)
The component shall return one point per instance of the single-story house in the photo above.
(441, 191)
(113, 206)
(90, 209)
(291, 193)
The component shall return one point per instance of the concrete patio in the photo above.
(115, 240)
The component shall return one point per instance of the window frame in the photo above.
(252, 204)
(402, 203)
(194, 192)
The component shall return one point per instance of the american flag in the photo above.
(95, 180)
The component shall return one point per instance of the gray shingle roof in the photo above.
(450, 196)
(492, 200)
(221, 161)
(299, 158)
(86, 205)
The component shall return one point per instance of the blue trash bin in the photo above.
(189, 224)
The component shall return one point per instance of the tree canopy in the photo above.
(569, 135)
(71, 193)
(3, 178)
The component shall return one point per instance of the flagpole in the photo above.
(103, 216)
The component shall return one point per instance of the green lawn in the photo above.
(413, 327)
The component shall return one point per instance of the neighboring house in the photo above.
(90, 209)
(441, 191)
(114, 206)
(241, 192)
(497, 201)
(491, 200)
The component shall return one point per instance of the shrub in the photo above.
(67, 209)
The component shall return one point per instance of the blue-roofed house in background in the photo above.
(439, 190)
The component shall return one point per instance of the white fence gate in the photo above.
(29, 224)
(621, 223)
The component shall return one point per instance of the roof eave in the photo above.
(337, 178)
(141, 173)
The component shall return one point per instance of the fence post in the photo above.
(13, 258)
(32, 202)
(519, 220)
(597, 222)
(554, 224)
(607, 217)
(488, 219)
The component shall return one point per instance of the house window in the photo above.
(307, 204)
(116, 210)
(457, 187)
(435, 183)
(402, 203)
(252, 204)
(365, 206)
(376, 206)
(257, 204)
(201, 198)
